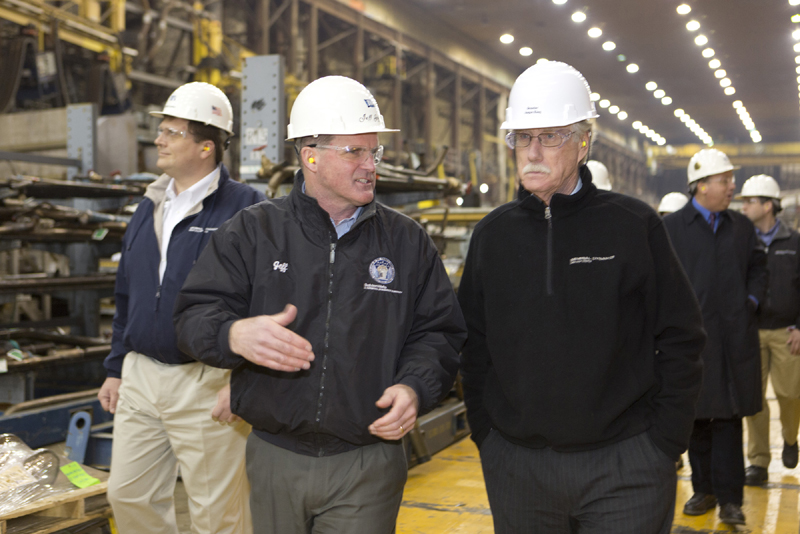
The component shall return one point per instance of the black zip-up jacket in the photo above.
(583, 328)
(376, 305)
(781, 308)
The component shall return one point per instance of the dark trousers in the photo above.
(357, 491)
(623, 488)
(717, 459)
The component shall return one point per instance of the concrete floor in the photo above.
(447, 495)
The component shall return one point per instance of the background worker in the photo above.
(339, 321)
(600, 177)
(581, 368)
(672, 202)
(725, 262)
(165, 403)
(778, 323)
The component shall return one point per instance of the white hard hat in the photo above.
(201, 102)
(335, 105)
(761, 185)
(708, 162)
(672, 202)
(599, 175)
(547, 95)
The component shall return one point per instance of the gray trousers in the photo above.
(624, 488)
(357, 491)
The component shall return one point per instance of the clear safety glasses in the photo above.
(546, 139)
(355, 153)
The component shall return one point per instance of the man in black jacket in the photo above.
(726, 264)
(338, 320)
(581, 368)
(778, 323)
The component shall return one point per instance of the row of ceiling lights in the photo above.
(721, 75)
(796, 36)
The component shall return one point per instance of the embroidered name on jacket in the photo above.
(785, 252)
(590, 259)
(199, 230)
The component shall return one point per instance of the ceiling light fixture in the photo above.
(636, 125)
(730, 90)
(679, 112)
(667, 100)
(622, 115)
(578, 16)
(659, 93)
(594, 97)
(605, 103)
(700, 40)
(651, 86)
(595, 32)
(613, 110)
(720, 73)
(559, 2)
(525, 51)
(708, 52)
(692, 25)
(714, 64)
(609, 46)
(684, 9)
(506, 38)
(632, 67)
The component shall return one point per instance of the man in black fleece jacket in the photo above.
(581, 368)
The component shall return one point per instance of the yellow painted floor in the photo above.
(447, 495)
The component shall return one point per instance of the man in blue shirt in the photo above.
(778, 321)
(726, 265)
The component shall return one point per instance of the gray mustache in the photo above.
(536, 167)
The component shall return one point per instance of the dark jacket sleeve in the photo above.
(475, 359)
(428, 361)
(214, 296)
(113, 362)
(756, 267)
(679, 341)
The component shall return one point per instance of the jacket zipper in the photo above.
(318, 418)
(549, 217)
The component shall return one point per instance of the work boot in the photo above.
(789, 455)
(699, 504)
(731, 514)
(755, 476)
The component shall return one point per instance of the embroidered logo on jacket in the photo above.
(589, 259)
(785, 252)
(278, 266)
(200, 230)
(382, 270)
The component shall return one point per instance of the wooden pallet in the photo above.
(60, 511)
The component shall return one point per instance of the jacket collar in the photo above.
(157, 190)
(690, 214)
(560, 204)
(783, 231)
(309, 210)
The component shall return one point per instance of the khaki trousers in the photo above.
(163, 421)
(784, 369)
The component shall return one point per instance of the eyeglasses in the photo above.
(755, 200)
(724, 180)
(355, 153)
(546, 139)
(170, 133)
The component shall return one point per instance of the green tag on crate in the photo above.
(99, 234)
(16, 354)
(78, 476)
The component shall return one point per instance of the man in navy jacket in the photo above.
(170, 410)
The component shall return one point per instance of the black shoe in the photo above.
(731, 514)
(755, 476)
(789, 455)
(699, 504)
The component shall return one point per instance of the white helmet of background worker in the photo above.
(708, 162)
(599, 175)
(201, 102)
(335, 105)
(761, 185)
(672, 202)
(549, 94)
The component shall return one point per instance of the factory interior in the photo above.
(80, 79)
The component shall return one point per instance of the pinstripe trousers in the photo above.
(623, 488)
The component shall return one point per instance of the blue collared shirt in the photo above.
(705, 213)
(769, 236)
(577, 187)
(344, 225)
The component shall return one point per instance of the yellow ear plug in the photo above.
(584, 143)
(206, 149)
(311, 160)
